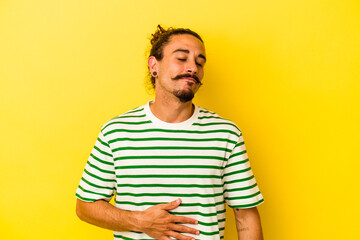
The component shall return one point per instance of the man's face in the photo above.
(182, 68)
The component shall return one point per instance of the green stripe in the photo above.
(206, 117)
(130, 116)
(201, 204)
(168, 166)
(172, 131)
(88, 199)
(206, 111)
(198, 213)
(97, 186)
(96, 193)
(216, 123)
(101, 170)
(125, 238)
(211, 223)
(168, 157)
(102, 161)
(128, 112)
(156, 203)
(170, 185)
(237, 154)
(103, 143)
(240, 189)
(239, 180)
(85, 199)
(169, 194)
(239, 143)
(174, 139)
(99, 178)
(237, 163)
(243, 197)
(236, 172)
(210, 233)
(172, 148)
(134, 110)
(247, 205)
(168, 176)
(201, 232)
(102, 152)
(127, 123)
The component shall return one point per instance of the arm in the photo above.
(248, 224)
(155, 221)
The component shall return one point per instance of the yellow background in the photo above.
(287, 72)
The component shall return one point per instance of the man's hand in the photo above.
(158, 223)
(155, 221)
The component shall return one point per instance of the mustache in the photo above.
(187, 76)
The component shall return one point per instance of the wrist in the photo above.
(134, 222)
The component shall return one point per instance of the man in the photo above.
(172, 165)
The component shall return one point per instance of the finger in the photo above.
(180, 219)
(184, 229)
(179, 236)
(171, 205)
(165, 238)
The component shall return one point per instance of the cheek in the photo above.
(176, 69)
(201, 73)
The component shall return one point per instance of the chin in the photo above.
(184, 96)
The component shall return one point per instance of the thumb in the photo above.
(172, 205)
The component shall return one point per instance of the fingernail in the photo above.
(198, 232)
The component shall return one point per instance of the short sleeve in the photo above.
(240, 187)
(98, 180)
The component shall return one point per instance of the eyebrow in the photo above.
(187, 51)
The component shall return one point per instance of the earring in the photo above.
(154, 73)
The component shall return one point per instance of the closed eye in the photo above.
(182, 59)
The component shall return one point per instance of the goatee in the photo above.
(184, 96)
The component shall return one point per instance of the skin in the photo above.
(248, 224)
(184, 55)
(155, 221)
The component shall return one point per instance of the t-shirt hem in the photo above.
(244, 206)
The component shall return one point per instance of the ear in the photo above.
(152, 64)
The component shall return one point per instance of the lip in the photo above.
(190, 79)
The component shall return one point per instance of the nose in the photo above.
(192, 67)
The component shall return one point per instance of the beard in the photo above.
(184, 96)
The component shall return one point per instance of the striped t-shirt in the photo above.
(144, 161)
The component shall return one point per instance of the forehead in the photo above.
(185, 41)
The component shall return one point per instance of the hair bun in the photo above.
(156, 36)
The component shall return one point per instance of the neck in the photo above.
(172, 110)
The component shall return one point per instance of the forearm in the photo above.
(103, 214)
(248, 224)
(155, 221)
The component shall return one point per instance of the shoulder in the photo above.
(211, 119)
(132, 117)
